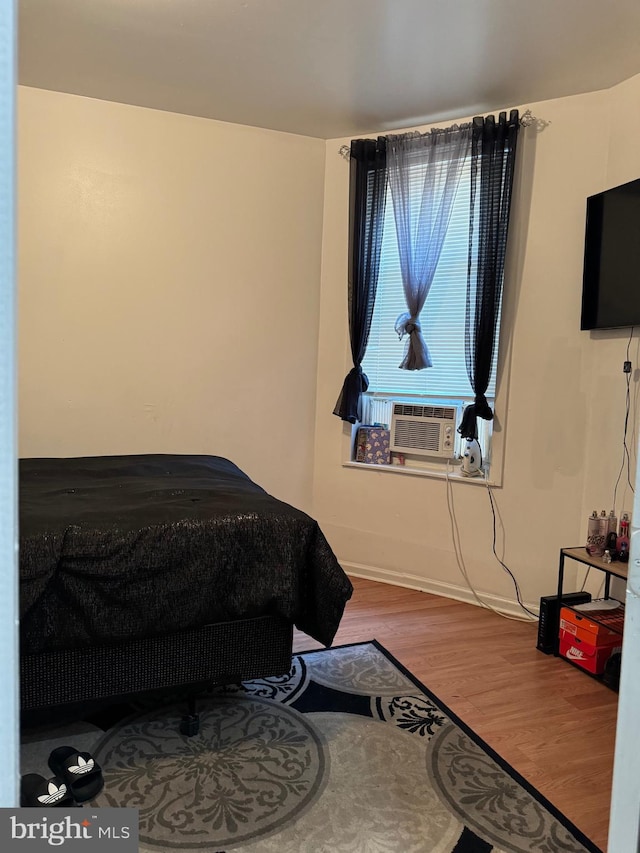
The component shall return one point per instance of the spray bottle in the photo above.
(596, 536)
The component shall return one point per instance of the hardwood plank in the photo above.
(554, 724)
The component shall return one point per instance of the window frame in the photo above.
(440, 468)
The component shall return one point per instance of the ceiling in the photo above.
(328, 68)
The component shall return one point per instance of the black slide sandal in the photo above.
(79, 771)
(38, 792)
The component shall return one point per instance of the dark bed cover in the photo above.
(116, 547)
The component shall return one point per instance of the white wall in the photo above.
(169, 287)
(562, 408)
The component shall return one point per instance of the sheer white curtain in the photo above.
(424, 172)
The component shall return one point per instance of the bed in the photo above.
(156, 571)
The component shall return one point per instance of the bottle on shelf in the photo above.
(612, 544)
(612, 536)
(595, 542)
(604, 523)
(622, 543)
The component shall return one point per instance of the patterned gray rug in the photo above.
(348, 753)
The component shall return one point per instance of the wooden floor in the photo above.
(554, 724)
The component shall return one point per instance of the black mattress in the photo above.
(120, 547)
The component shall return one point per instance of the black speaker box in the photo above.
(549, 620)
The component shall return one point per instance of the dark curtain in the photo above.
(367, 191)
(493, 152)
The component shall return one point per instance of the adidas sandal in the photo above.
(79, 771)
(36, 792)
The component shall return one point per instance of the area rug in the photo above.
(348, 753)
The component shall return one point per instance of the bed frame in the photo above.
(226, 652)
(89, 637)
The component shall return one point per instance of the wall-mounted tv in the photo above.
(611, 278)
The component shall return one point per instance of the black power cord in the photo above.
(626, 458)
(504, 566)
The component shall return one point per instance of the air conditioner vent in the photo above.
(413, 411)
(424, 430)
(419, 435)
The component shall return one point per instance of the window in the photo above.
(442, 318)
(445, 225)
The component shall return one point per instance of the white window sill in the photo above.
(439, 473)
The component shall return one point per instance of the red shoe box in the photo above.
(597, 627)
(590, 657)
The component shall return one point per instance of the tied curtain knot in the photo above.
(349, 405)
(479, 409)
(483, 409)
(417, 356)
(406, 324)
(357, 380)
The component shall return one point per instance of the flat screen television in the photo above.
(611, 276)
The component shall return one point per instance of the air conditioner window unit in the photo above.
(424, 430)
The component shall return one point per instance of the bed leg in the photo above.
(190, 723)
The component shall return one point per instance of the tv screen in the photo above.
(611, 278)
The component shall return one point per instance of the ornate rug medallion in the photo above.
(490, 801)
(377, 799)
(252, 768)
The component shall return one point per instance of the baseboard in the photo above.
(446, 590)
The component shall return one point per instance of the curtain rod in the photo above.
(526, 120)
